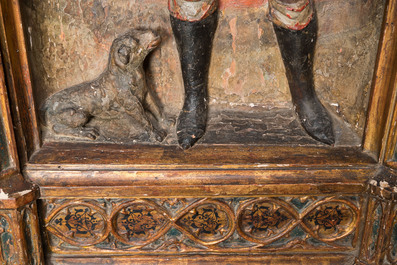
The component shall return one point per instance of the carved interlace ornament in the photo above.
(79, 224)
(331, 220)
(139, 223)
(263, 221)
(205, 224)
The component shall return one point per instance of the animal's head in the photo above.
(130, 50)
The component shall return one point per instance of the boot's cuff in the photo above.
(192, 10)
(295, 16)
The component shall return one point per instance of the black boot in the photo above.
(297, 50)
(194, 42)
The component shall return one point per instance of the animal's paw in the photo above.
(90, 133)
(158, 135)
(168, 122)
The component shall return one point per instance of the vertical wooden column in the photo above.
(383, 82)
(19, 227)
(20, 241)
(18, 81)
(379, 242)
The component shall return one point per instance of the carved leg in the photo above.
(155, 115)
(296, 32)
(194, 24)
(136, 111)
(83, 132)
(71, 122)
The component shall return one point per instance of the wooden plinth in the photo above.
(213, 203)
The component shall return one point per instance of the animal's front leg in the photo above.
(153, 107)
(136, 111)
(155, 113)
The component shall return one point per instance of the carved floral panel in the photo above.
(208, 222)
(174, 225)
(138, 222)
(265, 220)
(330, 220)
(80, 224)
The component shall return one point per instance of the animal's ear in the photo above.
(122, 55)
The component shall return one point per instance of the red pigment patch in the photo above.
(240, 3)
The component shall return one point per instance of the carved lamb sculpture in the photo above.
(119, 94)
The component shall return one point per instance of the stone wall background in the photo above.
(68, 43)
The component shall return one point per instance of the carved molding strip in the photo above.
(222, 224)
(392, 251)
(7, 243)
(32, 234)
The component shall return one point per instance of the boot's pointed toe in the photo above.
(186, 139)
(315, 120)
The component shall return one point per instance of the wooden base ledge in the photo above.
(200, 183)
(106, 170)
(327, 259)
